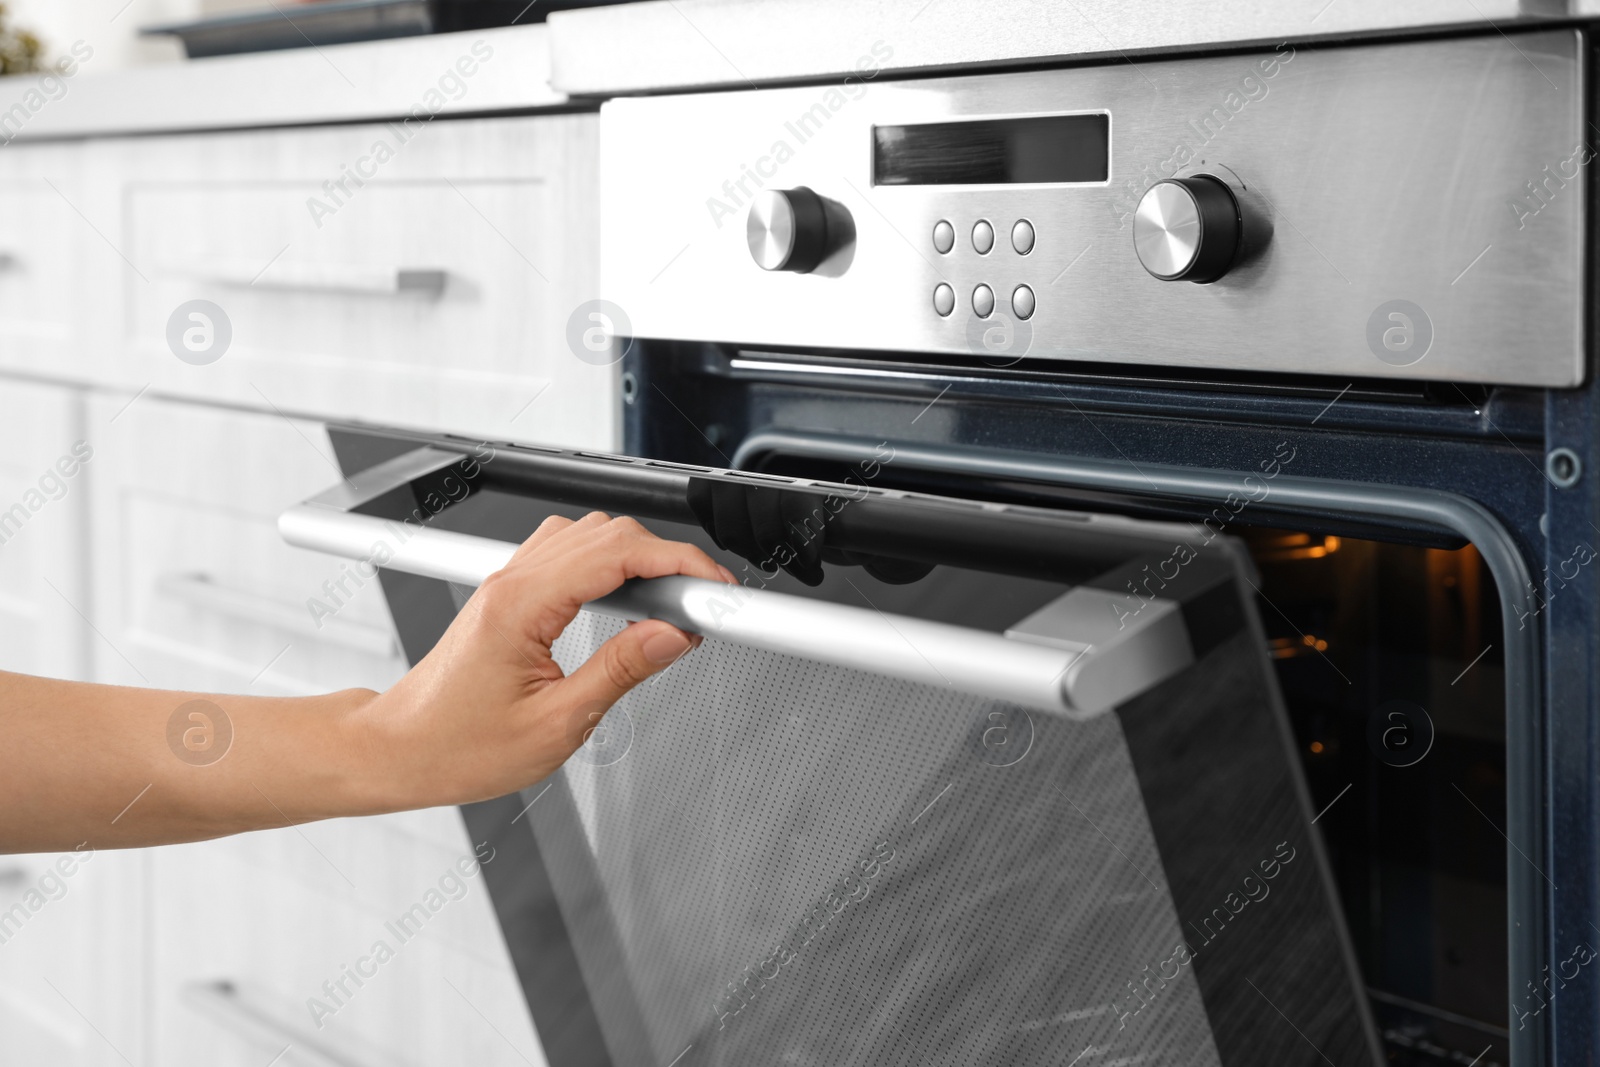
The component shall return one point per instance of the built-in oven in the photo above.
(1162, 497)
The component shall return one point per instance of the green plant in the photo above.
(19, 49)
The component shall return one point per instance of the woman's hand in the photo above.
(488, 711)
(485, 713)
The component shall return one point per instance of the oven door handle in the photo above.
(1067, 660)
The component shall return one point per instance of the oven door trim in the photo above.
(1527, 906)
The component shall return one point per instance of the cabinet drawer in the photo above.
(194, 589)
(44, 589)
(71, 956)
(42, 247)
(253, 949)
(434, 291)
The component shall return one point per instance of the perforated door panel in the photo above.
(768, 860)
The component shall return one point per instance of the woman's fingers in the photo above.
(556, 532)
(624, 661)
(547, 529)
(564, 565)
(623, 550)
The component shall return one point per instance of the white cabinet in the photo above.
(44, 245)
(71, 929)
(72, 959)
(273, 938)
(194, 589)
(44, 592)
(420, 277)
(140, 484)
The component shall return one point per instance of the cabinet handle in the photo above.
(320, 277)
(1066, 658)
(199, 591)
(237, 1010)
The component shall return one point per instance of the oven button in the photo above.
(982, 237)
(1022, 302)
(789, 229)
(1187, 229)
(1022, 237)
(983, 301)
(944, 237)
(944, 299)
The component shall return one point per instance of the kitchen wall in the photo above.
(111, 27)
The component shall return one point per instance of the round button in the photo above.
(944, 299)
(982, 237)
(787, 229)
(983, 301)
(1187, 229)
(1022, 302)
(1022, 237)
(944, 237)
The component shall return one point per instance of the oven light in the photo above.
(1297, 546)
(1289, 648)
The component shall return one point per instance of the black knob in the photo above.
(788, 230)
(1188, 229)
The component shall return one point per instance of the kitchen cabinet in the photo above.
(270, 939)
(150, 462)
(434, 292)
(71, 928)
(44, 594)
(72, 958)
(45, 248)
(194, 589)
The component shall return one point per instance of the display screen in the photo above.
(1051, 149)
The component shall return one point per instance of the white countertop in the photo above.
(668, 45)
(682, 44)
(373, 80)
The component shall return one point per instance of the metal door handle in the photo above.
(1074, 657)
(320, 277)
(236, 1009)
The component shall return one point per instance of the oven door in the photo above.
(1012, 785)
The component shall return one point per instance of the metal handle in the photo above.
(325, 277)
(1075, 657)
(198, 590)
(246, 1015)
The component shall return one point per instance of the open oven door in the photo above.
(1011, 785)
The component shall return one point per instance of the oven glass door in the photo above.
(1010, 786)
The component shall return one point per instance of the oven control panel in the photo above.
(1411, 210)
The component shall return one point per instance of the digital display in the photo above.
(1047, 149)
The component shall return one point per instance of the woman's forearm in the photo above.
(121, 767)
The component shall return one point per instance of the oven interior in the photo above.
(1387, 652)
(1389, 662)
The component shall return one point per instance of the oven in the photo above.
(1162, 495)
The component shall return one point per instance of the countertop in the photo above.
(374, 80)
(683, 44)
(674, 45)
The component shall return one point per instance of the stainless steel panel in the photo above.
(1443, 182)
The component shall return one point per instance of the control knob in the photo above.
(789, 229)
(1188, 229)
